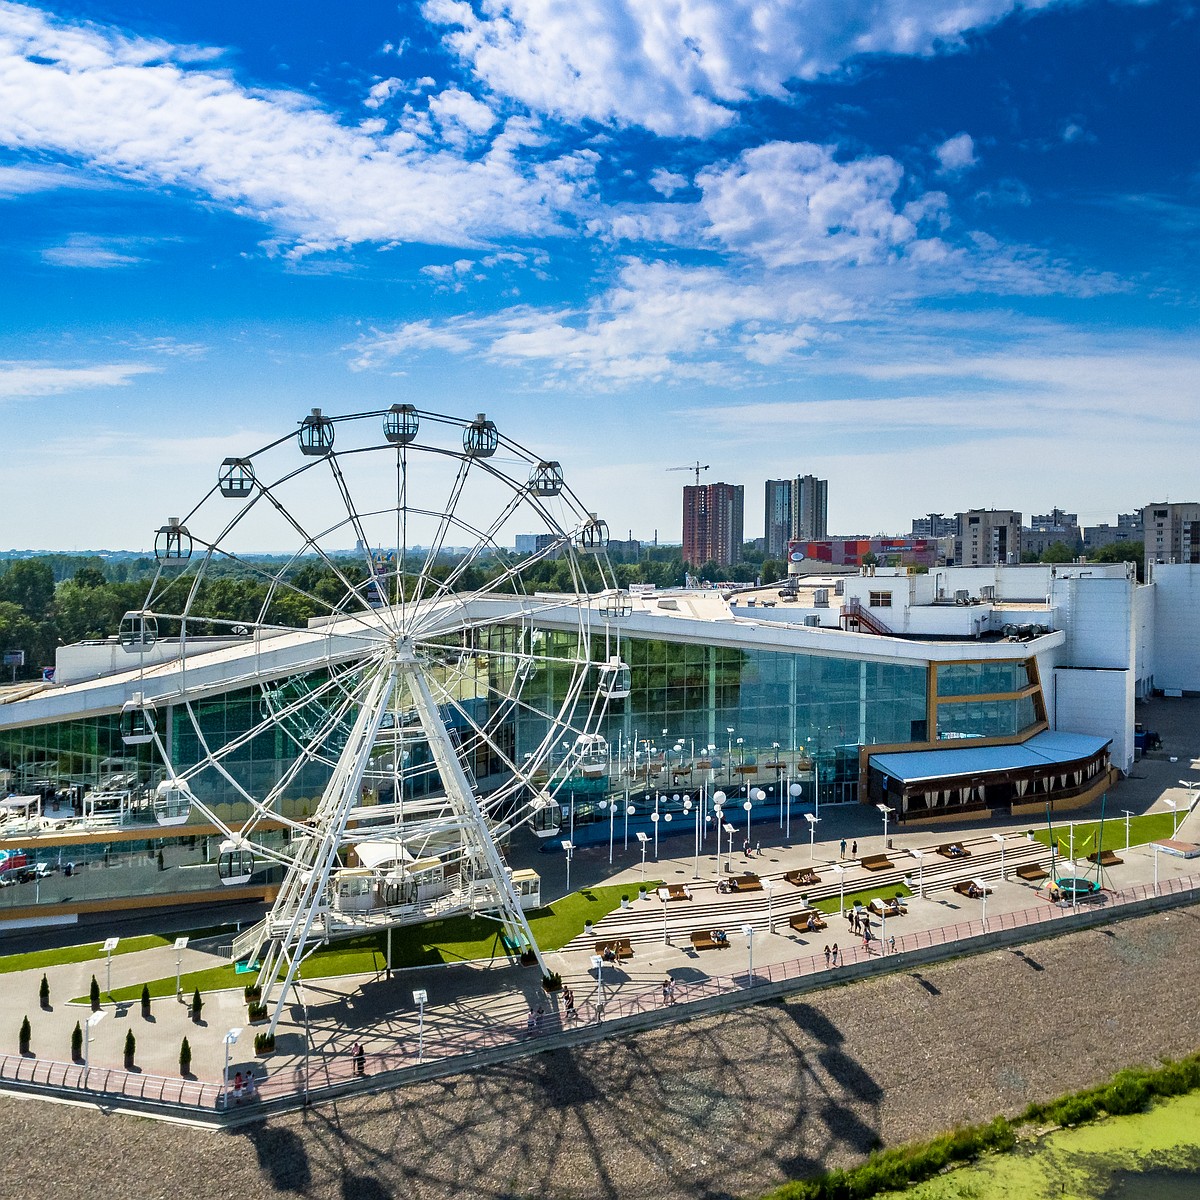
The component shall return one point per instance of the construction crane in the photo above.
(697, 466)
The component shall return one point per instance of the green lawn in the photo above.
(830, 903)
(41, 959)
(1151, 828)
(455, 939)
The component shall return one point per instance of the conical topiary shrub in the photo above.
(44, 992)
(77, 1042)
(94, 994)
(185, 1057)
(24, 1036)
(130, 1049)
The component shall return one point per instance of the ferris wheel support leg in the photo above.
(303, 894)
(481, 845)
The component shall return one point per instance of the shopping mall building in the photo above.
(947, 695)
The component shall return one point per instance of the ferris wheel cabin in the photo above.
(172, 543)
(480, 438)
(172, 803)
(138, 632)
(235, 478)
(235, 864)
(546, 479)
(615, 680)
(316, 435)
(400, 424)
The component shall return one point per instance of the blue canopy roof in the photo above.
(1043, 749)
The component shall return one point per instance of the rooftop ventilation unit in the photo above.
(820, 598)
(812, 620)
(962, 597)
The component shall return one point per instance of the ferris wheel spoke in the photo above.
(445, 523)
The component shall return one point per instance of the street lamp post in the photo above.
(769, 887)
(109, 946)
(1154, 846)
(919, 855)
(1128, 814)
(420, 999)
(641, 837)
(88, 1026)
(598, 966)
(1173, 805)
(841, 874)
(569, 847)
(180, 947)
(748, 930)
(795, 791)
(719, 812)
(813, 822)
(979, 883)
(887, 812)
(666, 935)
(999, 839)
(229, 1039)
(630, 809)
(729, 832)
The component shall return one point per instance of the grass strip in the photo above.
(455, 939)
(1151, 828)
(829, 904)
(1129, 1091)
(39, 960)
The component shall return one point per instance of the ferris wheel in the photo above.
(374, 690)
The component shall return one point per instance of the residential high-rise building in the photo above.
(1129, 528)
(934, 525)
(1172, 533)
(987, 536)
(810, 508)
(777, 518)
(713, 518)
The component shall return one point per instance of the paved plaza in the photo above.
(475, 1005)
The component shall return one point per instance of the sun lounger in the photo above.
(954, 850)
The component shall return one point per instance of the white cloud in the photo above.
(956, 154)
(680, 66)
(26, 181)
(381, 92)
(460, 114)
(792, 202)
(658, 321)
(83, 250)
(158, 114)
(667, 183)
(25, 379)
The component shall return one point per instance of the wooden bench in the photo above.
(620, 947)
(805, 878)
(954, 850)
(1031, 873)
(964, 887)
(675, 891)
(746, 883)
(702, 939)
(799, 921)
(876, 862)
(1106, 858)
(887, 908)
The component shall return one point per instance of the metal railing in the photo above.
(511, 1025)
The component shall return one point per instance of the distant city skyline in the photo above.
(940, 255)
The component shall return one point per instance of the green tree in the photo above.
(1058, 552)
(94, 994)
(29, 583)
(185, 1057)
(89, 577)
(44, 992)
(25, 1035)
(773, 570)
(77, 1042)
(1134, 552)
(130, 1047)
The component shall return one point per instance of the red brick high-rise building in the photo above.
(712, 523)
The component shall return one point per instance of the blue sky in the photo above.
(941, 252)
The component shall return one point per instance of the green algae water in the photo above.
(1153, 1155)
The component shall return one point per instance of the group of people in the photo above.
(243, 1087)
(668, 990)
(860, 921)
(831, 956)
(749, 850)
(853, 849)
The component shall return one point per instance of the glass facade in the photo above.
(981, 678)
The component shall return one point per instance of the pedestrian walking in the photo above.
(746, 847)
(854, 850)
(666, 991)
(843, 854)
(834, 954)
(360, 1059)
(569, 1003)
(758, 849)
(892, 944)
(827, 955)
(854, 920)
(537, 1017)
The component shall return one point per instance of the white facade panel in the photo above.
(1096, 702)
(1175, 659)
